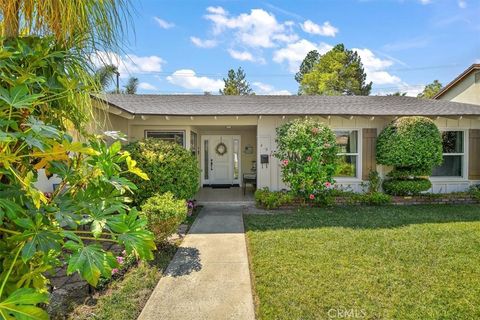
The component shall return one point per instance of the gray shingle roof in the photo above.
(197, 105)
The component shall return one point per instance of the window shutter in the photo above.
(369, 142)
(474, 154)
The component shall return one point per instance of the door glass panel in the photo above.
(205, 168)
(235, 159)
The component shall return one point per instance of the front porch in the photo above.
(209, 195)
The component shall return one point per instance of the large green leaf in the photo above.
(90, 261)
(21, 305)
(40, 240)
(19, 97)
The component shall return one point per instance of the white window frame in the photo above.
(464, 155)
(169, 131)
(358, 154)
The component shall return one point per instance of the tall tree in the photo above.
(131, 86)
(430, 90)
(337, 72)
(236, 84)
(105, 75)
(307, 65)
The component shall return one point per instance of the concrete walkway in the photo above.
(208, 277)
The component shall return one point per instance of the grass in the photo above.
(393, 262)
(125, 298)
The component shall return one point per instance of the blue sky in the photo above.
(187, 46)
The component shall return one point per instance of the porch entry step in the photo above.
(221, 186)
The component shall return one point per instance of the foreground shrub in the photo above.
(308, 154)
(272, 199)
(408, 187)
(170, 167)
(474, 191)
(164, 214)
(413, 146)
(373, 198)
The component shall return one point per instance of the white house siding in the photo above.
(271, 176)
(466, 91)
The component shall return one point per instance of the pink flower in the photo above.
(120, 260)
(309, 159)
(327, 184)
(315, 130)
(114, 271)
(312, 196)
(285, 162)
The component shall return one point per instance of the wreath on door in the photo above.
(221, 149)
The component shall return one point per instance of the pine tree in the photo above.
(236, 84)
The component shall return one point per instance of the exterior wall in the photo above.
(466, 91)
(260, 132)
(271, 176)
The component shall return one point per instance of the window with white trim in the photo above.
(453, 155)
(170, 136)
(347, 143)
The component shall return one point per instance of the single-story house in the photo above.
(235, 135)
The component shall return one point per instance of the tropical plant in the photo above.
(308, 154)
(169, 166)
(337, 72)
(131, 86)
(412, 158)
(236, 84)
(164, 214)
(105, 76)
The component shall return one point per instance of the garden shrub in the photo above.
(413, 146)
(474, 191)
(373, 198)
(170, 167)
(308, 154)
(164, 214)
(272, 199)
(409, 187)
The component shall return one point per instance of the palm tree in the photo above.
(105, 76)
(131, 86)
(86, 23)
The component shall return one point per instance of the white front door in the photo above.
(221, 159)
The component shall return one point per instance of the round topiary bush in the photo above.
(169, 166)
(410, 143)
(410, 187)
(308, 154)
(413, 146)
(164, 214)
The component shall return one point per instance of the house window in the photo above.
(453, 155)
(347, 143)
(170, 136)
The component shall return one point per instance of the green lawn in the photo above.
(394, 262)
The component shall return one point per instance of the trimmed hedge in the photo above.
(409, 187)
(410, 143)
(164, 215)
(170, 167)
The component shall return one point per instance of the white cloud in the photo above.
(375, 68)
(187, 78)
(244, 56)
(146, 86)
(294, 53)
(258, 29)
(462, 4)
(425, 1)
(410, 90)
(266, 89)
(163, 23)
(129, 63)
(326, 29)
(203, 43)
